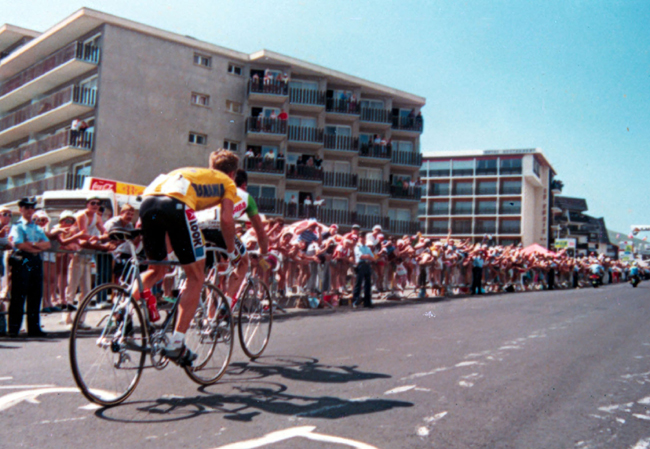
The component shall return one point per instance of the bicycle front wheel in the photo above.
(255, 318)
(108, 347)
(210, 337)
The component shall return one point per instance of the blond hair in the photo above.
(224, 160)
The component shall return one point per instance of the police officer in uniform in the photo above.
(29, 241)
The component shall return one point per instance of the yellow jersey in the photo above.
(198, 188)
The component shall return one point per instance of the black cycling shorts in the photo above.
(161, 215)
(215, 236)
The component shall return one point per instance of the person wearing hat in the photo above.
(29, 242)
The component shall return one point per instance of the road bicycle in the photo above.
(253, 306)
(109, 348)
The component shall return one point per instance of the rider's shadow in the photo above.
(305, 370)
(247, 402)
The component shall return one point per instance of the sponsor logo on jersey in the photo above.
(208, 190)
(195, 232)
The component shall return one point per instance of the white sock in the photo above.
(177, 340)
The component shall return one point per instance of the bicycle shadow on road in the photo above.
(244, 403)
(250, 393)
(306, 369)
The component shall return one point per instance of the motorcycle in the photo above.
(596, 280)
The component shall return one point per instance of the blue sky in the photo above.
(570, 77)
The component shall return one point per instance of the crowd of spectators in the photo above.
(316, 262)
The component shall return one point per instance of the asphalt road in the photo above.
(559, 369)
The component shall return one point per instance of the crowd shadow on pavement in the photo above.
(249, 393)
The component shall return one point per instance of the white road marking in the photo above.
(90, 407)
(14, 387)
(57, 421)
(295, 432)
(12, 399)
(436, 417)
(423, 431)
(637, 415)
(416, 375)
(645, 401)
(400, 389)
(6, 378)
(612, 408)
(464, 383)
(642, 444)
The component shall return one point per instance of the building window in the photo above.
(261, 191)
(336, 203)
(368, 209)
(233, 106)
(200, 99)
(202, 60)
(230, 145)
(198, 139)
(234, 69)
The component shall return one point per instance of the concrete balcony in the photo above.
(374, 187)
(405, 194)
(66, 64)
(304, 173)
(269, 92)
(376, 152)
(341, 144)
(339, 181)
(307, 137)
(307, 100)
(262, 166)
(406, 158)
(58, 182)
(342, 109)
(508, 229)
(60, 107)
(51, 150)
(376, 118)
(266, 129)
(406, 125)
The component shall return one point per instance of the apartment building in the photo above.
(154, 101)
(505, 194)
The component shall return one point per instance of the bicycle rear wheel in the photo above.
(255, 318)
(108, 348)
(210, 337)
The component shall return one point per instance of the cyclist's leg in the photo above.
(235, 281)
(189, 300)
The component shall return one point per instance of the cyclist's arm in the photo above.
(228, 224)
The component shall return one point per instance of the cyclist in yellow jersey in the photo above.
(169, 223)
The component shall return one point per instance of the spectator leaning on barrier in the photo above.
(26, 271)
(121, 254)
(363, 257)
(42, 220)
(5, 227)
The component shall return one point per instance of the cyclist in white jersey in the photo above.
(244, 204)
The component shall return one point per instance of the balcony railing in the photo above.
(258, 86)
(59, 182)
(433, 211)
(376, 186)
(339, 179)
(304, 172)
(486, 171)
(509, 229)
(401, 227)
(75, 50)
(408, 193)
(305, 134)
(51, 143)
(270, 206)
(74, 94)
(461, 228)
(510, 210)
(486, 211)
(461, 211)
(510, 190)
(306, 96)
(440, 173)
(510, 171)
(486, 191)
(342, 106)
(369, 221)
(260, 164)
(438, 192)
(408, 123)
(376, 115)
(343, 143)
(485, 228)
(463, 172)
(376, 151)
(266, 125)
(406, 158)
(463, 191)
(439, 229)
